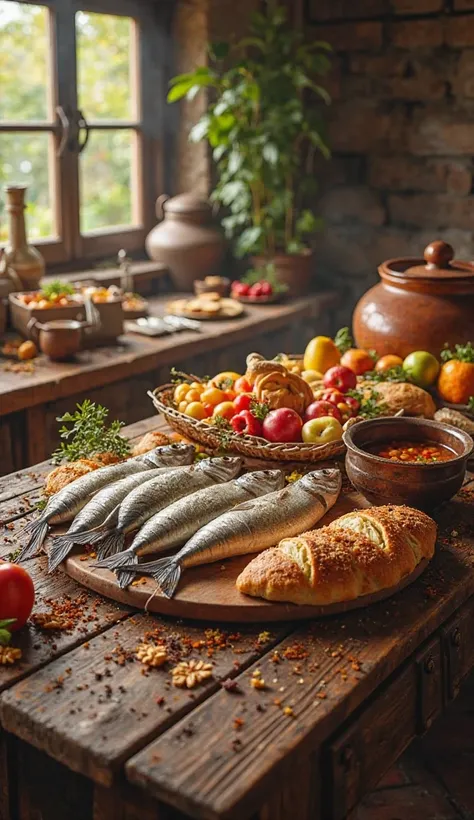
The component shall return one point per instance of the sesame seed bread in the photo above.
(360, 553)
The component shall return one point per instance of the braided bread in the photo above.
(360, 553)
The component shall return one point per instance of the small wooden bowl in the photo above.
(388, 482)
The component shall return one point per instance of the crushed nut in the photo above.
(288, 711)
(257, 683)
(151, 655)
(191, 673)
(9, 655)
(46, 620)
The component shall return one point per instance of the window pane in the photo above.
(24, 62)
(108, 177)
(24, 158)
(104, 44)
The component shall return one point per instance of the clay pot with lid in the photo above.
(420, 304)
(186, 239)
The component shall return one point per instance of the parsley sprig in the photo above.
(88, 434)
(394, 374)
(259, 409)
(343, 340)
(463, 353)
(370, 406)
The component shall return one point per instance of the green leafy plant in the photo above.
(370, 406)
(343, 340)
(88, 434)
(394, 374)
(463, 353)
(52, 290)
(267, 273)
(265, 128)
(5, 634)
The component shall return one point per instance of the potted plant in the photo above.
(264, 126)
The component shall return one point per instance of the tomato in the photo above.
(225, 409)
(225, 379)
(193, 395)
(209, 408)
(212, 395)
(180, 392)
(242, 402)
(17, 595)
(242, 385)
(196, 410)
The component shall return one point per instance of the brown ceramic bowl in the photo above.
(212, 284)
(389, 482)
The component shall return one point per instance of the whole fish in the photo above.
(155, 495)
(65, 504)
(108, 499)
(175, 524)
(250, 527)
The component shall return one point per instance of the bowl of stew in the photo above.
(406, 460)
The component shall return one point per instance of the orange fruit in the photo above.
(212, 395)
(196, 410)
(456, 381)
(387, 362)
(225, 409)
(180, 392)
(357, 360)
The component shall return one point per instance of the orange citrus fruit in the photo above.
(357, 360)
(456, 381)
(387, 362)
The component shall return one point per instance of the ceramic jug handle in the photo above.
(32, 329)
(159, 206)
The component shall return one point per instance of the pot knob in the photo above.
(438, 254)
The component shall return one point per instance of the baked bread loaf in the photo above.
(257, 365)
(396, 396)
(360, 553)
(149, 442)
(283, 389)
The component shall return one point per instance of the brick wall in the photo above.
(402, 133)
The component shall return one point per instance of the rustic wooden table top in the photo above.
(136, 354)
(215, 751)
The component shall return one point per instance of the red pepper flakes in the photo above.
(321, 695)
(238, 724)
(296, 652)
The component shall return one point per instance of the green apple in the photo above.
(321, 430)
(422, 368)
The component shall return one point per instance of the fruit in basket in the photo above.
(242, 402)
(322, 430)
(241, 385)
(321, 353)
(244, 423)
(195, 410)
(213, 395)
(340, 377)
(421, 367)
(282, 425)
(225, 380)
(27, 350)
(322, 408)
(334, 396)
(388, 362)
(283, 389)
(225, 409)
(360, 361)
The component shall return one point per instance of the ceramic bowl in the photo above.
(418, 485)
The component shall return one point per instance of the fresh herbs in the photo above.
(5, 634)
(88, 434)
(470, 404)
(463, 353)
(259, 409)
(53, 290)
(394, 374)
(40, 504)
(343, 340)
(370, 406)
(224, 428)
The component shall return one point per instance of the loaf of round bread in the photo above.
(360, 553)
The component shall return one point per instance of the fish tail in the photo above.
(114, 562)
(88, 537)
(165, 571)
(60, 549)
(111, 544)
(38, 530)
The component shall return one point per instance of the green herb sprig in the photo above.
(370, 406)
(55, 289)
(343, 340)
(224, 428)
(88, 434)
(463, 353)
(259, 409)
(394, 374)
(470, 404)
(5, 634)
(40, 504)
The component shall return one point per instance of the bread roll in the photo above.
(360, 553)
(403, 396)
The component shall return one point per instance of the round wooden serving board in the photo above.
(208, 592)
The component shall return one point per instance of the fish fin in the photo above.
(60, 549)
(88, 537)
(165, 571)
(39, 530)
(115, 562)
(111, 544)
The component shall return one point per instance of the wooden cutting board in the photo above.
(208, 592)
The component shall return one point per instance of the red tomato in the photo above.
(17, 595)
(334, 396)
(242, 402)
(242, 385)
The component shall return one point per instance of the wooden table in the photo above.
(86, 735)
(120, 376)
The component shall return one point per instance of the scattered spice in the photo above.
(47, 620)
(151, 655)
(256, 681)
(191, 673)
(288, 711)
(296, 652)
(230, 685)
(238, 723)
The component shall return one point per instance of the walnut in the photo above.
(9, 655)
(191, 673)
(46, 620)
(151, 655)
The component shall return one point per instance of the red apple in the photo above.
(340, 377)
(322, 430)
(282, 425)
(334, 396)
(321, 408)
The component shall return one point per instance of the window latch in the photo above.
(64, 129)
(82, 124)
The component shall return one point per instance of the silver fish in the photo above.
(107, 500)
(154, 496)
(65, 504)
(175, 524)
(250, 527)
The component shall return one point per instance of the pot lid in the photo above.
(186, 203)
(438, 263)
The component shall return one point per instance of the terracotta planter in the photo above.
(186, 240)
(420, 304)
(293, 270)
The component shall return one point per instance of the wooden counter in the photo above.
(120, 376)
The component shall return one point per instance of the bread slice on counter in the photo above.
(360, 553)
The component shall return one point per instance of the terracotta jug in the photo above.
(20, 261)
(420, 304)
(186, 240)
(58, 339)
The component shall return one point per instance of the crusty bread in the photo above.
(360, 553)
(411, 399)
(149, 442)
(257, 365)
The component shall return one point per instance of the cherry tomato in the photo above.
(242, 402)
(225, 409)
(209, 408)
(180, 392)
(196, 410)
(213, 396)
(193, 395)
(17, 595)
(242, 385)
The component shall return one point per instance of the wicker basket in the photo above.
(249, 446)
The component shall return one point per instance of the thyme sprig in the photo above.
(259, 409)
(224, 430)
(88, 434)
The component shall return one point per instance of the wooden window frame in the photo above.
(152, 26)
